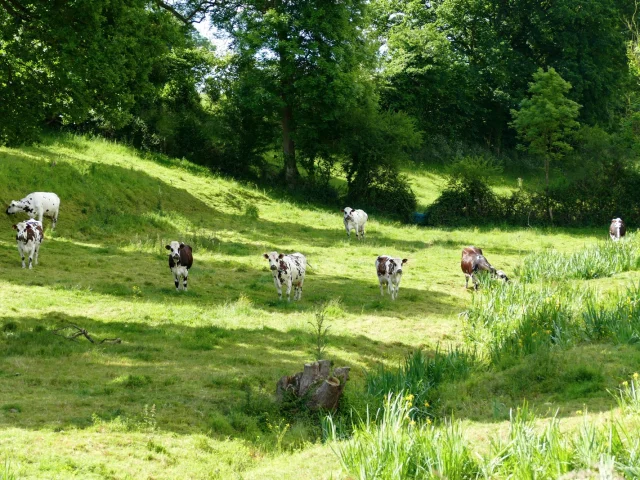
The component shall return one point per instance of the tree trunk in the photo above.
(316, 383)
(291, 173)
(546, 188)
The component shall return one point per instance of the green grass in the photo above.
(189, 391)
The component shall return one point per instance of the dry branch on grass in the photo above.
(79, 331)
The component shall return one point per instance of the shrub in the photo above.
(464, 201)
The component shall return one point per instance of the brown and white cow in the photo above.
(180, 261)
(617, 230)
(29, 236)
(389, 272)
(473, 261)
(355, 220)
(287, 270)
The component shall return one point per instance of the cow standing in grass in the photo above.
(389, 272)
(355, 220)
(29, 236)
(180, 261)
(37, 204)
(617, 230)
(473, 261)
(287, 270)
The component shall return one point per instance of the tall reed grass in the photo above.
(603, 259)
(390, 445)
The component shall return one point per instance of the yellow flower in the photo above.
(635, 376)
(412, 423)
(625, 383)
(428, 421)
(426, 404)
(410, 397)
(578, 412)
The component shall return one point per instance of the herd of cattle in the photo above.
(288, 270)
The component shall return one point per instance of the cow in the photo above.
(287, 270)
(473, 261)
(389, 272)
(355, 220)
(617, 230)
(37, 204)
(29, 236)
(180, 261)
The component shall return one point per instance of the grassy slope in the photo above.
(207, 359)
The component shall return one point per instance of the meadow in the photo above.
(189, 391)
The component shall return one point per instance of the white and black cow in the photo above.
(37, 204)
(29, 236)
(287, 270)
(617, 230)
(473, 261)
(389, 272)
(355, 220)
(180, 261)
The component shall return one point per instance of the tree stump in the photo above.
(315, 385)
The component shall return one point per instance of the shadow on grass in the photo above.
(191, 374)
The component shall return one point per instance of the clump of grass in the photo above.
(420, 376)
(601, 260)
(628, 395)
(391, 445)
(619, 322)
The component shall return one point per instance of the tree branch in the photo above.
(83, 332)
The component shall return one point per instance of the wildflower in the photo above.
(410, 397)
(578, 412)
(635, 376)
(625, 383)
(412, 423)
(426, 404)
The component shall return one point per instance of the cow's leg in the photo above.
(37, 249)
(466, 281)
(289, 285)
(475, 280)
(184, 282)
(31, 258)
(381, 289)
(176, 281)
(40, 214)
(21, 251)
(55, 220)
(362, 233)
(278, 287)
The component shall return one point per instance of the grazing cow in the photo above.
(355, 220)
(617, 230)
(389, 272)
(287, 270)
(180, 261)
(37, 204)
(473, 261)
(29, 236)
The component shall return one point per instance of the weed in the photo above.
(319, 333)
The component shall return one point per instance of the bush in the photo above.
(388, 193)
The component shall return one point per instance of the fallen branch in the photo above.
(79, 331)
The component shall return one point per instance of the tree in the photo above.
(546, 119)
(308, 56)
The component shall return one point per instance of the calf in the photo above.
(389, 273)
(29, 236)
(473, 261)
(617, 230)
(287, 270)
(37, 204)
(355, 220)
(180, 261)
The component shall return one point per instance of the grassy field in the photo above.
(188, 392)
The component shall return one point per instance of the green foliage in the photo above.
(601, 260)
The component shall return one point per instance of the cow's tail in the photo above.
(309, 265)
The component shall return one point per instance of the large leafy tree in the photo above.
(70, 61)
(547, 118)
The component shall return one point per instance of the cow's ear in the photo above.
(168, 247)
(405, 260)
(342, 210)
(181, 246)
(266, 255)
(281, 255)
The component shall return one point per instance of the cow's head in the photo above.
(501, 275)
(174, 250)
(616, 221)
(347, 213)
(15, 207)
(396, 265)
(274, 259)
(27, 230)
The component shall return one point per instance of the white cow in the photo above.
(29, 236)
(180, 261)
(389, 272)
(355, 220)
(287, 270)
(37, 204)
(617, 230)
